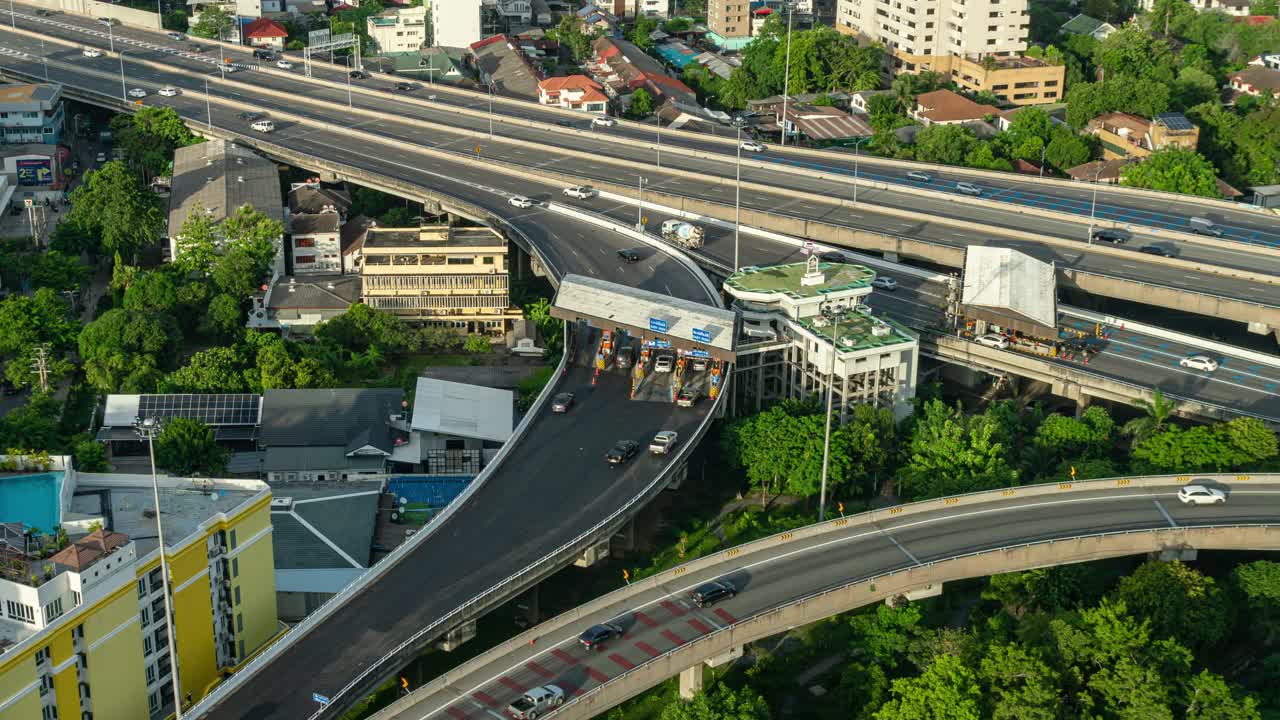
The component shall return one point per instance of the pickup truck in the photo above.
(537, 702)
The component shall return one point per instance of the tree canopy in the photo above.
(113, 204)
(1173, 170)
(187, 447)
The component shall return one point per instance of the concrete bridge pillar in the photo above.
(526, 608)
(593, 554)
(1082, 403)
(453, 639)
(891, 256)
(1170, 554)
(624, 540)
(690, 682)
(733, 654)
(679, 475)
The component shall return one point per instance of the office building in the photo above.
(461, 23)
(440, 275)
(83, 634)
(788, 339)
(31, 114)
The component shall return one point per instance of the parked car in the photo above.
(622, 451)
(1201, 495)
(100, 158)
(663, 442)
(752, 146)
(137, 93)
(993, 340)
(561, 402)
(1156, 250)
(603, 121)
(594, 637)
(581, 192)
(709, 594)
(920, 176)
(663, 364)
(967, 188)
(284, 64)
(686, 398)
(885, 282)
(1199, 362)
(91, 52)
(520, 201)
(108, 21)
(168, 91)
(1110, 235)
(699, 364)
(630, 255)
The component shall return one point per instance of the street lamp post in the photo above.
(124, 93)
(349, 82)
(13, 16)
(490, 109)
(1093, 207)
(856, 146)
(111, 31)
(640, 203)
(1043, 150)
(658, 117)
(738, 122)
(786, 75)
(208, 104)
(222, 62)
(833, 314)
(148, 429)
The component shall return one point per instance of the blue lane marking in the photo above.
(1255, 368)
(1163, 346)
(1147, 356)
(1271, 387)
(1238, 378)
(1116, 350)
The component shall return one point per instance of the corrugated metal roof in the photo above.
(624, 306)
(471, 411)
(1005, 279)
(221, 177)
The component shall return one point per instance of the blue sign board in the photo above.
(658, 344)
(700, 335)
(657, 325)
(320, 698)
(698, 354)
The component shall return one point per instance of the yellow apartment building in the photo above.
(82, 616)
(440, 275)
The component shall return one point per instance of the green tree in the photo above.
(29, 322)
(1259, 583)
(1023, 686)
(641, 104)
(214, 23)
(224, 319)
(152, 292)
(1210, 698)
(950, 453)
(1066, 149)
(639, 35)
(125, 351)
(186, 447)
(113, 204)
(149, 137)
(1052, 589)
(947, 690)
(888, 634)
(1244, 144)
(572, 34)
(1143, 96)
(719, 703)
(1062, 438)
(945, 144)
(1156, 413)
(33, 425)
(54, 270)
(1178, 601)
(477, 344)
(1173, 170)
(363, 327)
(90, 456)
(216, 370)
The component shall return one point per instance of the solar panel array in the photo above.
(1175, 121)
(237, 409)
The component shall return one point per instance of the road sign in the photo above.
(320, 698)
(698, 354)
(700, 335)
(657, 325)
(316, 37)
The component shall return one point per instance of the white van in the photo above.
(265, 126)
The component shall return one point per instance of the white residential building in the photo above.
(916, 30)
(628, 9)
(399, 30)
(460, 23)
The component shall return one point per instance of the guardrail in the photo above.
(871, 519)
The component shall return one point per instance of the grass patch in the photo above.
(528, 389)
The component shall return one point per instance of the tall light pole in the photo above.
(208, 104)
(111, 30)
(856, 146)
(738, 122)
(222, 62)
(148, 429)
(1093, 208)
(349, 71)
(786, 75)
(832, 314)
(490, 109)
(640, 203)
(13, 16)
(658, 117)
(124, 93)
(1043, 150)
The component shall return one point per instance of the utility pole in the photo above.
(40, 366)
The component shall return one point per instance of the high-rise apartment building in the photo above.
(440, 275)
(729, 19)
(83, 630)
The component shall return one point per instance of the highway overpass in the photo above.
(802, 576)
(1224, 280)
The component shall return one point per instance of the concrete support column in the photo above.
(891, 256)
(690, 682)
(526, 608)
(593, 554)
(1082, 403)
(1170, 554)
(624, 540)
(455, 637)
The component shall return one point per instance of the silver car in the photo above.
(965, 188)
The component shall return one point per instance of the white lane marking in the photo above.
(1199, 376)
(1165, 513)
(859, 536)
(905, 551)
(1155, 351)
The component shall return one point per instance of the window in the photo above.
(142, 588)
(145, 616)
(156, 578)
(234, 542)
(20, 612)
(76, 595)
(49, 712)
(462, 261)
(235, 562)
(46, 684)
(304, 242)
(53, 610)
(42, 655)
(241, 646)
(239, 622)
(151, 674)
(304, 259)
(147, 647)
(237, 595)
(488, 259)
(162, 638)
(153, 702)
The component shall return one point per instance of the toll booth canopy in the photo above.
(1010, 289)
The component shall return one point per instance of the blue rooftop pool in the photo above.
(31, 500)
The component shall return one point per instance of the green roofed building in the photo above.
(800, 318)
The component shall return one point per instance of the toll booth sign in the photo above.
(700, 335)
(657, 325)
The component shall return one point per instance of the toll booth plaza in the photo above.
(674, 350)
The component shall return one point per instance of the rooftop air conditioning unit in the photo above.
(880, 330)
(281, 503)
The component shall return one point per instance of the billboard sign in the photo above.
(35, 171)
(318, 37)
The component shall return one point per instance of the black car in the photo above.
(622, 451)
(263, 54)
(832, 256)
(247, 115)
(626, 357)
(629, 255)
(1155, 250)
(562, 402)
(564, 123)
(358, 75)
(596, 636)
(196, 48)
(1110, 235)
(404, 86)
(712, 593)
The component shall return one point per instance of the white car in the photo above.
(1199, 362)
(663, 442)
(91, 52)
(176, 36)
(284, 64)
(603, 121)
(1201, 495)
(264, 126)
(100, 158)
(993, 340)
(752, 146)
(581, 192)
(168, 91)
(663, 364)
(137, 92)
(520, 201)
(885, 283)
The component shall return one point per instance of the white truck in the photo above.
(536, 702)
(684, 234)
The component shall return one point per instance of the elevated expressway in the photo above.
(801, 576)
(528, 516)
(1221, 279)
